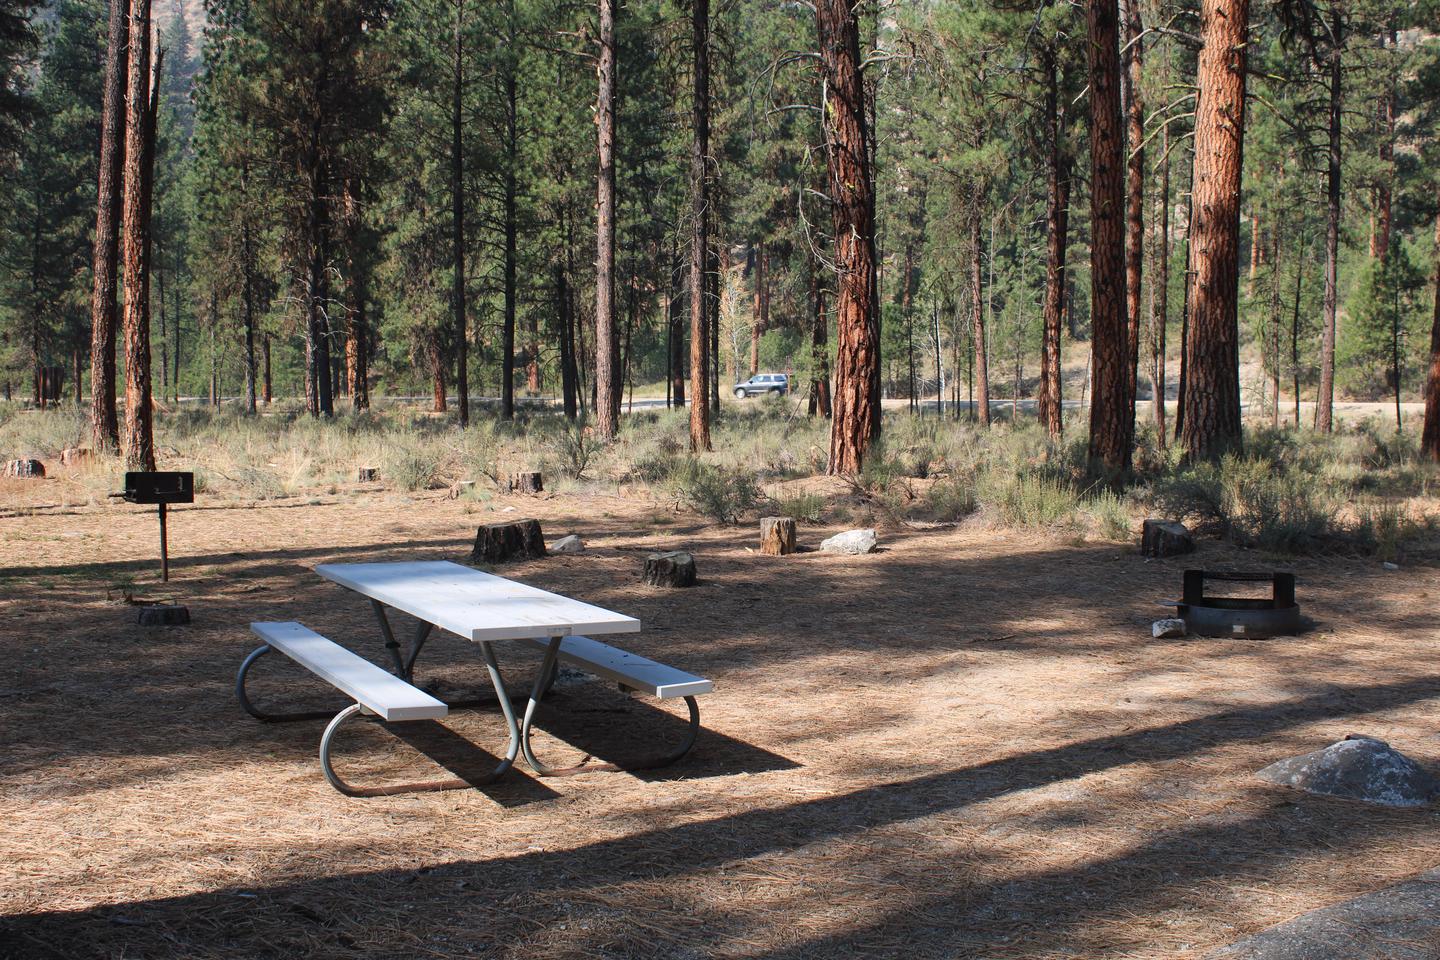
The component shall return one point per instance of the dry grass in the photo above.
(966, 745)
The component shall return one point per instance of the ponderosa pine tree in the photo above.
(607, 342)
(855, 423)
(1112, 413)
(142, 99)
(104, 423)
(1212, 386)
(700, 358)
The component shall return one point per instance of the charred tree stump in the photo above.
(164, 615)
(24, 468)
(777, 536)
(673, 569)
(368, 475)
(527, 482)
(1165, 538)
(75, 456)
(517, 540)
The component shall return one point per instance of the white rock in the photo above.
(851, 541)
(1167, 629)
(570, 544)
(1391, 566)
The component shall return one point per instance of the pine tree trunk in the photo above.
(1325, 398)
(1385, 111)
(435, 356)
(511, 213)
(567, 342)
(757, 323)
(1275, 307)
(1430, 438)
(699, 215)
(248, 305)
(457, 222)
(1134, 193)
(1212, 388)
(977, 321)
(819, 354)
(267, 391)
(1057, 216)
(104, 424)
(855, 422)
(1112, 418)
(139, 439)
(607, 344)
(676, 319)
(1160, 283)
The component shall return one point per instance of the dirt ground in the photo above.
(966, 745)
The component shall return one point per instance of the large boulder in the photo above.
(851, 542)
(1358, 768)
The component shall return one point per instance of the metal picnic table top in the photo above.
(473, 604)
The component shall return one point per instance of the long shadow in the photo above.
(156, 927)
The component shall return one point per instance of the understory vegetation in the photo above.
(1363, 489)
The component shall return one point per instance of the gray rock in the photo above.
(851, 542)
(1397, 923)
(1358, 768)
(1165, 538)
(1390, 566)
(1167, 629)
(570, 544)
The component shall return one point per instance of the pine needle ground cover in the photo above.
(966, 745)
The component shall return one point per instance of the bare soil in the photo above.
(966, 745)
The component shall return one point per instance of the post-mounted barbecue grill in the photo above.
(162, 488)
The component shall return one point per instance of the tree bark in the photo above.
(1057, 217)
(676, 339)
(1112, 413)
(699, 213)
(435, 357)
(1325, 398)
(607, 344)
(856, 420)
(143, 104)
(1385, 110)
(457, 227)
(1212, 387)
(757, 317)
(511, 215)
(104, 425)
(1134, 191)
(819, 353)
(1160, 287)
(977, 320)
(1430, 437)
(267, 393)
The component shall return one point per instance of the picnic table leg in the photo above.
(391, 644)
(422, 633)
(513, 748)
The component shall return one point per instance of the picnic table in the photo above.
(484, 609)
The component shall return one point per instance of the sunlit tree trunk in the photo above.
(1430, 439)
(1212, 386)
(1134, 190)
(856, 415)
(977, 320)
(607, 343)
(140, 119)
(458, 224)
(104, 424)
(699, 216)
(1057, 217)
(1112, 415)
(1160, 288)
(819, 354)
(1325, 398)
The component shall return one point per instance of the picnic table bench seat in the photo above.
(374, 689)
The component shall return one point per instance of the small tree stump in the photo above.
(368, 475)
(24, 468)
(673, 569)
(527, 482)
(1165, 538)
(517, 540)
(164, 615)
(777, 536)
(75, 456)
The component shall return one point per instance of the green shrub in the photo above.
(802, 508)
(1111, 514)
(950, 501)
(719, 493)
(1034, 500)
(410, 466)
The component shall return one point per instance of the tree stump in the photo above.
(24, 468)
(777, 536)
(368, 475)
(516, 540)
(164, 615)
(1165, 538)
(527, 482)
(75, 456)
(673, 569)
